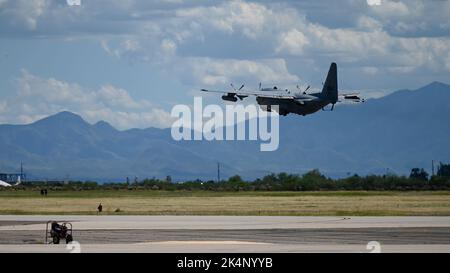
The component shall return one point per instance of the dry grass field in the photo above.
(227, 203)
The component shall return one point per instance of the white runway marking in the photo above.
(203, 243)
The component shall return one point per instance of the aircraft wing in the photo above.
(4, 184)
(270, 94)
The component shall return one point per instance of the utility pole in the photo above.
(218, 172)
(432, 167)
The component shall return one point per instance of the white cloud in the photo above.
(401, 69)
(163, 32)
(232, 16)
(368, 23)
(413, 18)
(218, 42)
(128, 47)
(369, 43)
(131, 45)
(219, 72)
(391, 9)
(293, 41)
(24, 13)
(374, 2)
(370, 70)
(117, 98)
(38, 97)
(168, 47)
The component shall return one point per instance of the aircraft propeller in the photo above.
(307, 88)
(240, 88)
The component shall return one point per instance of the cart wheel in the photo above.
(55, 240)
(69, 239)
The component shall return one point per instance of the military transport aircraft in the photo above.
(4, 184)
(298, 103)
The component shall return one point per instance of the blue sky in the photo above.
(129, 61)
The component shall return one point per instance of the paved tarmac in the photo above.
(231, 234)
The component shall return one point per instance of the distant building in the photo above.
(12, 177)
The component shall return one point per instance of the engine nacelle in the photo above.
(230, 98)
(352, 97)
(269, 89)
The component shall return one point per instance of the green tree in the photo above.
(236, 179)
(443, 170)
(419, 174)
(236, 183)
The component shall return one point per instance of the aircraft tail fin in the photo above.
(19, 181)
(330, 87)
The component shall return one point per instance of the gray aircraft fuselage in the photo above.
(287, 106)
(305, 104)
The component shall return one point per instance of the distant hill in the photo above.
(395, 133)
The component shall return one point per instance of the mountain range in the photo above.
(400, 131)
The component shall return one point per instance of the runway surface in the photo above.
(231, 234)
